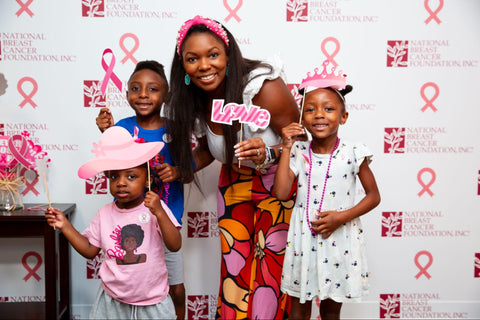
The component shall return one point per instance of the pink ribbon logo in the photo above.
(433, 14)
(129, 53)
(31, 272)
(19, 154)
(30, 183)
(426, 186)
(335, 51)
(109, 74)
(233, 12)
(429, 103)
(423, 269)
(24, 8)
(27, 97)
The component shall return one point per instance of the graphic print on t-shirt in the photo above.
(130, 238)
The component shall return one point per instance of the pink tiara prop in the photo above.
(324, 79)
(209, 23)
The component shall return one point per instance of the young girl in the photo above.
(129, 286)
(324, 255)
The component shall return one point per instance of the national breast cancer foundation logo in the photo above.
(326, 11)
(417, 305)
(297, 10)
(421, 139)
(93, 8)
(135, 9)
(201, 307)
(426, 53)
(419, 224)
(397, 53)
(390, 306)
(94, 98)
(476, 267)
(202, 224)
(96, 184)
(293, 87)
(92, 94)
(478, 184)
(391, 224)
(93, 266)
(394, 140)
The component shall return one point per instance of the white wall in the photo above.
(61, 49)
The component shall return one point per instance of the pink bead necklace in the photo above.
(324, 184)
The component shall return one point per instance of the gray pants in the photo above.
(105, 307)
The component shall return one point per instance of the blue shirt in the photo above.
(171, 192)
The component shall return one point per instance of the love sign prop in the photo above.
(233, 111)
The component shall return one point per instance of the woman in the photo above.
(208, 65)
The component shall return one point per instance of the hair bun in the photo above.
(348, 89)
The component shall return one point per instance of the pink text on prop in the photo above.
(232, 111)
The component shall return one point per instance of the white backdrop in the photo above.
(414, 66)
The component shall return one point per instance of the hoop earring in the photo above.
(187, 79)
(226, 72)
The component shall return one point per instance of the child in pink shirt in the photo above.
(130, 231)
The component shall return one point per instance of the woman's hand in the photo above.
(251, 149)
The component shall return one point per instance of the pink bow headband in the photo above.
(209, 23)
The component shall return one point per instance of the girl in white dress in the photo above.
(325, 253)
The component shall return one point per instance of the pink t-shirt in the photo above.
(134, 269)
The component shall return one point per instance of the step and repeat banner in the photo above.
(415, 69)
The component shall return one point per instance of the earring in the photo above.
(187, 79)
(226, 72)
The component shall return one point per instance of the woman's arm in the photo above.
(275, 97)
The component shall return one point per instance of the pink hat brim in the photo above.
(117, 151)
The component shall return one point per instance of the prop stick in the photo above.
(301, 109)
(148, 173)
(241, 138)
(42, 171)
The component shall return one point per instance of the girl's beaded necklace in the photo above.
(324, 184)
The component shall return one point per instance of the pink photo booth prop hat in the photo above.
(117, 150)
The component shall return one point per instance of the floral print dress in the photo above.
(335, 267)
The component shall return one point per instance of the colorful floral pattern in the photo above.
(253, 233)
